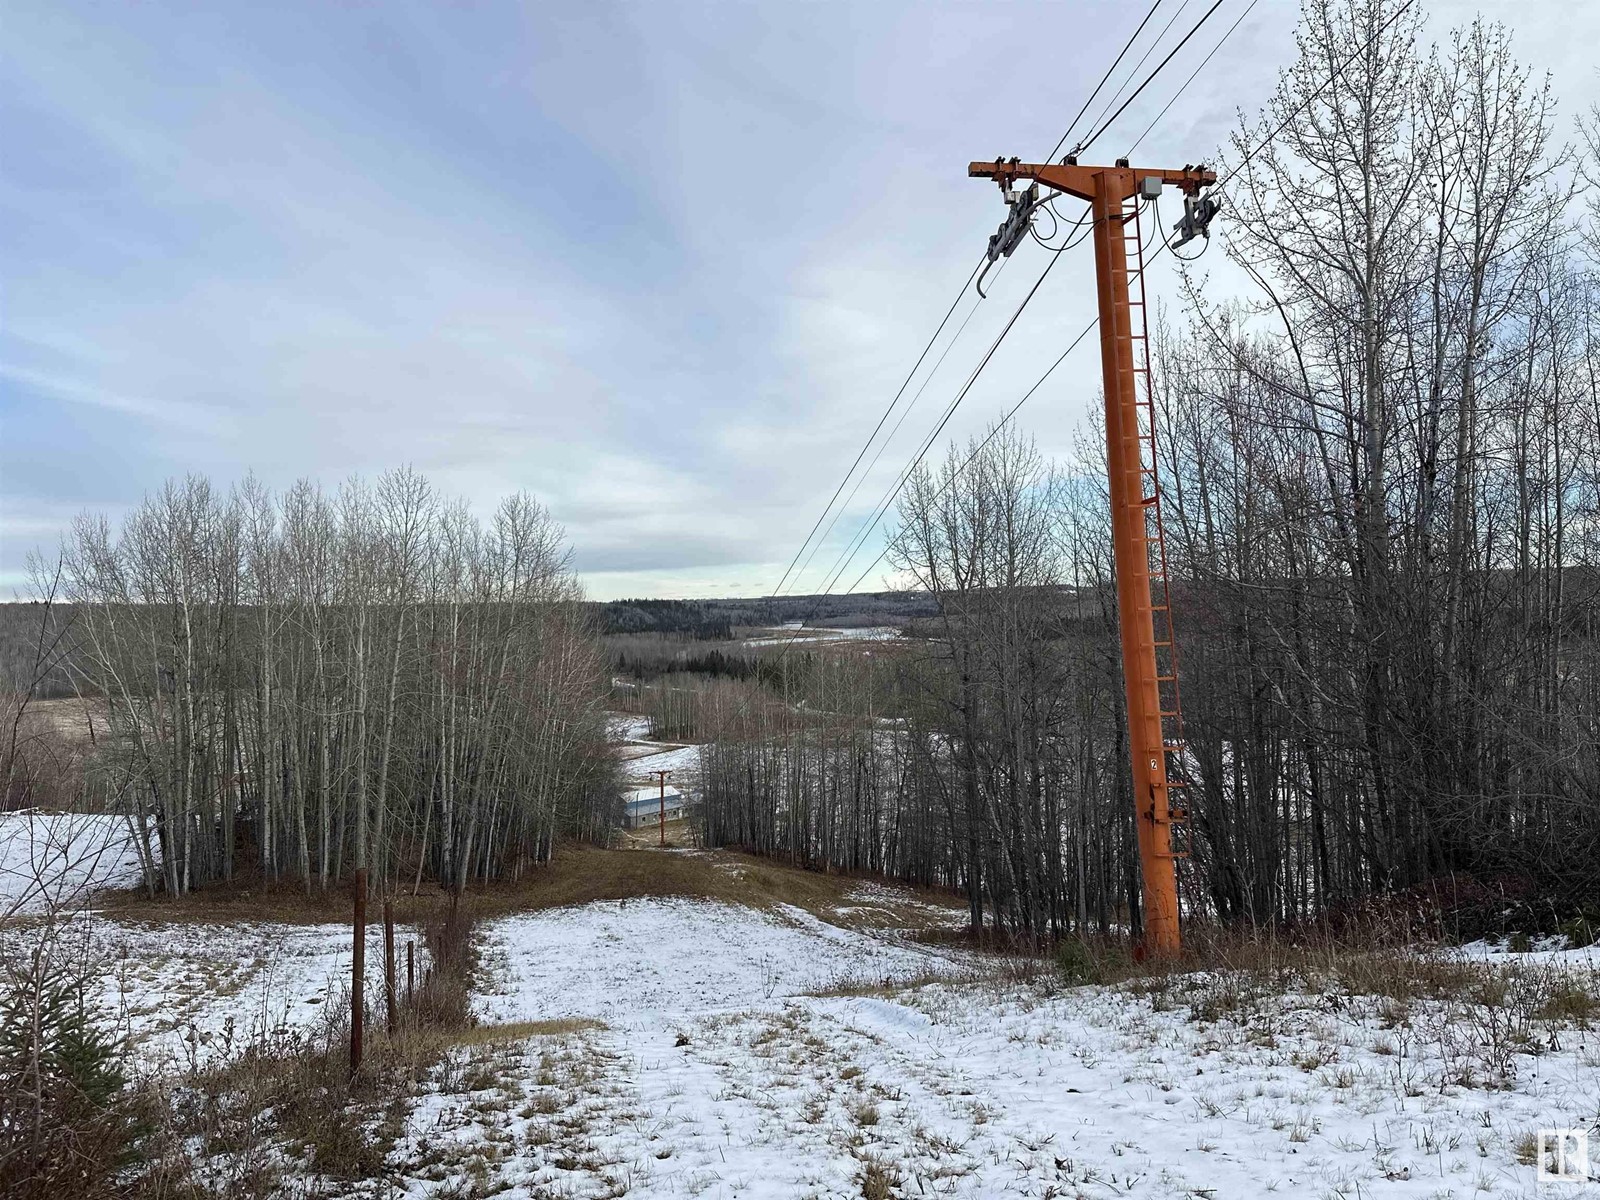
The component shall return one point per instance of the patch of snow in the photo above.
(821, 633)
(867, 1014)
(50, 860)
(1554, 950)
(668, 758)
(624, 727)
(182, 992)
(650, 962)
(870, 633)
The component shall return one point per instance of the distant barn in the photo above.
(642, 806)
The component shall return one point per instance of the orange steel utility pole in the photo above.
(1149, 663)
(663, 775)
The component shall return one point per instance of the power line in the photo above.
(867, 444)
(882, 508)
(1011, 412)
(854, 546)
(1164, 246)
(1128, 46)
(884, 445)
(823, 515)
(1184, 87)
(1134, 71)
(1089, 141)
(927, 442)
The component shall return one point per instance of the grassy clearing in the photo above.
(577, 874)
(280, 1106)
(681, 834)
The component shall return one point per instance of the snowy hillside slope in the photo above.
(182, 993)
(717, 1075)
(710, 1049)
(641, 963)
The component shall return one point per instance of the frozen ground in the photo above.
(183, 992)
(721, 1051)
(1551, 951)
(52, 859)
(817, 633)
(626, 727)
(737, 1059)
(672, 758)
(652, 962)
(641, 758)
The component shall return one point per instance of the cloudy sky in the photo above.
(660, 263)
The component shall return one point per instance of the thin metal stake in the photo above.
(388, 961)
(358, 970)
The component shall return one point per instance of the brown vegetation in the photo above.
(577, 873)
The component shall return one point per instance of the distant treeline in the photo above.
(652, 655)
(715, 620)
(857, 610)
(692, 618)
(35, 645)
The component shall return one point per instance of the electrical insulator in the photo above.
(1015, 227)
(1196, 219)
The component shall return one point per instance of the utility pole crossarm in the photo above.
(1079, 181)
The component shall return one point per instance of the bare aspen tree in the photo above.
(373, 680)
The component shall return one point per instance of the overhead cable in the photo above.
(1089, 141)
(868, 443)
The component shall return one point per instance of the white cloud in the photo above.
(663, 265)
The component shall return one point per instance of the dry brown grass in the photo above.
(53, 741)
(79, 722)
(577, 874)
(290, 1108)
(508, 1032)
(878, 1180)
(681, 834)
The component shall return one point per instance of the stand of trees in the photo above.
(1385, 475)
(689, 618)
(314, 683)
(989, 756)
(1381, 474)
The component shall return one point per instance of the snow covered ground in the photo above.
(627, 727)
(641, 758)
(719, 1051)
(675, 758)
(817, 633)
(182, 992)
(734, 1052)
(650, 962)
(52, 859)
(750, 1054)
(1551, 950)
